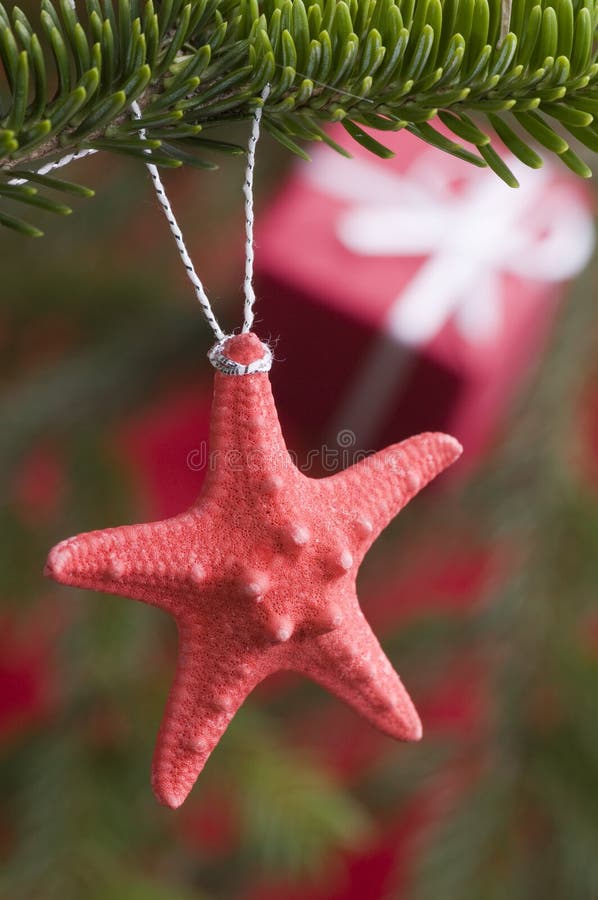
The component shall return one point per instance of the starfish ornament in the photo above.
(259, 574)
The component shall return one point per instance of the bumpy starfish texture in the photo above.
(260, 574)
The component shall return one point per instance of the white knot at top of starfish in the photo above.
(223, 363)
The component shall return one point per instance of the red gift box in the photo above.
(412, 294)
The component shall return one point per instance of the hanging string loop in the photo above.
(179, 240)
(217, 354)
(249, 215)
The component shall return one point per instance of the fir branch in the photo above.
(388, 65)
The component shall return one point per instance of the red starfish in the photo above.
(260, 574)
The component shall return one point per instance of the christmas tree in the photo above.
(105, 400)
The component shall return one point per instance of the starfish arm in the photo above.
(350, 663)
(210, 684)
(376, 488)
(245, 435)
(134, 561)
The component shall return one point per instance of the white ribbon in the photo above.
(469, 237)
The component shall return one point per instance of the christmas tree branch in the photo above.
(388, 65)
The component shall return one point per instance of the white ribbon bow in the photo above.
(471, 229)
(469, 237)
